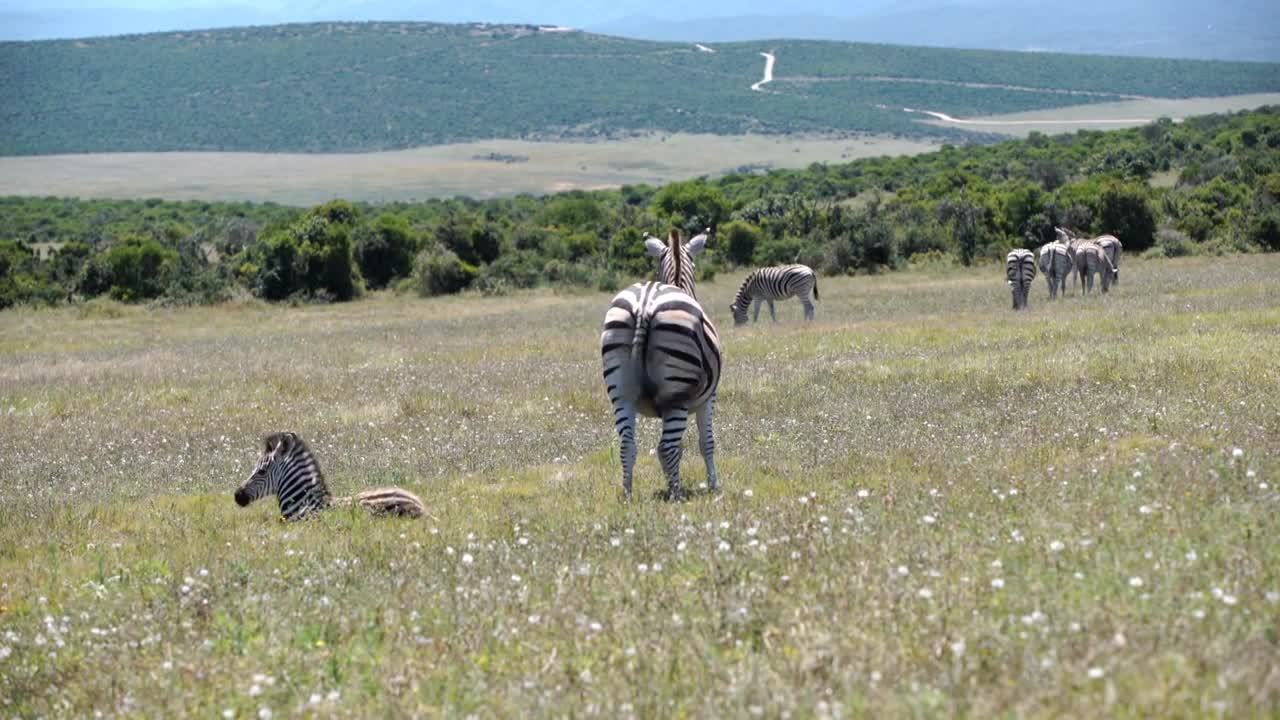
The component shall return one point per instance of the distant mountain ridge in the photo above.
(1242, 30)
(1229, 30)
(349, 87)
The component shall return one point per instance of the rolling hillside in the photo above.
(371, 86)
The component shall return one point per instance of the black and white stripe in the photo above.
(1055, 263)
(662, 357)
(289, 470)
(1090, 259)
(1020, 270)
(775, 283)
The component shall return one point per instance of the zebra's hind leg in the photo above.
(674, 422)
(808, 308)
(624, 419)
(707, 442)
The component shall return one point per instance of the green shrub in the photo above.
(440, 272)
(132, 270)
(384, 250)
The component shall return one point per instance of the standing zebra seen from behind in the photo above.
(775, 283)
(1090, 259)
(661, 357)
(1055, 263)
(1020, 269)
(289, 470)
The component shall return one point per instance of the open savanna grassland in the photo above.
(932, 505)
(488, 169)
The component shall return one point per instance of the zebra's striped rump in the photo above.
(1055, 263)
(288, 469)
(1020, 270)
(1091, 259)
(660, 351)
(387, 501)
(775, 283)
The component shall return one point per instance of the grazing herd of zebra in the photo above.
(1097, 256)
(662, 358)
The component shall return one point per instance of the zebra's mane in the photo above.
(289, 447)
(743, 298)
(678, 270)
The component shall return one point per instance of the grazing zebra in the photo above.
(661, 357)
(1020, 269)
(1112, 246)
(1090, 259)
(288, 469)
(1055, 263)
(775, 283)
(669, 271)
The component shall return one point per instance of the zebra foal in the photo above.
(775, 283)
(1020, 270)
(661, 357)
(289, 470)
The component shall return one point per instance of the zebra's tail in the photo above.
(640, 338)
(815, 287)
(386, 501)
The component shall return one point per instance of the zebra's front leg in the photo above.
(624, 419)
(707, 442)
(670, 449)
(773, 312)
(756, 305)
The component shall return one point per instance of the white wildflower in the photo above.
(903, 570)
(1135, 581)
(925, 593)
(467, 559)
(1237, 453)
(997, 583)
(1056, 546)
(1095, 673)
(929, 519)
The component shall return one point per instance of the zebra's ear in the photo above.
(653, 247)
(698, 243)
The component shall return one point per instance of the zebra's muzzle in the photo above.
(243, 498)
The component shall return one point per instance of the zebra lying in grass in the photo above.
(775, 283)
(287, 469)
(1055, 263)
(1020, 270)
(661, 357)
(1090, 259)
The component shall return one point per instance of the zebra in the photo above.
(662, 357)
(1055, 263)
(1090, 259)
(1112, 246)
(775, 283)
(289, 470)
(1020, 269)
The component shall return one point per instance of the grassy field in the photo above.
(429, 172)
(931, 506)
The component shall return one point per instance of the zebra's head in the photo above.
(675, 259)
(740, 312)
(272, 463)
(1062, 236)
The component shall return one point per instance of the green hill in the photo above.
(370, 86)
